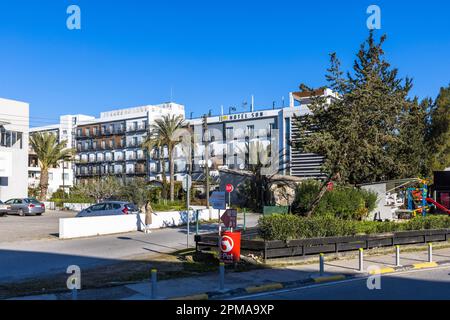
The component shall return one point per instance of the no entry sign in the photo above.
(229, 188)
(230, 247)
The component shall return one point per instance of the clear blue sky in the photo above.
(208, 53)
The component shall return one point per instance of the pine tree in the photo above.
(438, 138)
(360, 132)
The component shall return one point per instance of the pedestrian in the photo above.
(148, 216)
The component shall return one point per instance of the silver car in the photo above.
(26, 206)
(109, 208)
(4, 209)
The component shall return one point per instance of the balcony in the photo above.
(137, 171)
(137, 128)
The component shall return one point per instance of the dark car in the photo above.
(25, 206)
(4, 209)
(109, 208)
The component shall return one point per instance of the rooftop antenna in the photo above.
(282, 99)
(273, 105)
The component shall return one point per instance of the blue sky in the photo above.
(207, 53)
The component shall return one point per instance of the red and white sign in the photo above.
(229, 188)
(230, 247)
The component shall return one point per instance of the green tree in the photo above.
(100, 189)
(358, 131)
(49, 152)
(438, 139)
(167, 131)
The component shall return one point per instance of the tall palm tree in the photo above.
(151, 143)
(49, 152)
(164, 130)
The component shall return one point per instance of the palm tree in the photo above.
(163, 133)
(153, 142)
(49, 152)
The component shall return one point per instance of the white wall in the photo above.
(70, 228)
(15, 183)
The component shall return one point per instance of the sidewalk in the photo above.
(207, 286)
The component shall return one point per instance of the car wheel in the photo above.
(21, 213)
(39, 214)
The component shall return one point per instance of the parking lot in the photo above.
(15, 228)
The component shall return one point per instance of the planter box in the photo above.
(302, 247)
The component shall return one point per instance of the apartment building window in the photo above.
(50, 176)
(103, 129)
(229, 133)
(79, 132)
(103, 144)
(94, 145)
(251, 131)
(95, 131)
(111, 143)
(65, 176)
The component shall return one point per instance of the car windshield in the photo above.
(1, 202)
(34, 201)
(131, 207)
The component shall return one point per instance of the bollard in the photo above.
(397, 256)
(221, 276)
(245, 224)
(196, 222)
(430, 252)
(361, 259)
(154, 283)
(321, 264)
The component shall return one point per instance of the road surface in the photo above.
(424, 284)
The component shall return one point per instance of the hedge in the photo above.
(288, 227)
(344, 202)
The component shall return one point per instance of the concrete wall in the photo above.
(14, 184)
(70, 228)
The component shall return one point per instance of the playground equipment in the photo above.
(418, 200)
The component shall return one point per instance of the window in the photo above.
(50, 176)
(229, 133)
(251, 131)
(65, 176)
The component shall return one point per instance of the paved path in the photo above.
(21, 260)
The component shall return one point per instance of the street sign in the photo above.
(187, 182)
(229, 188)
(229, 218)
(217, 200)
(230, 247)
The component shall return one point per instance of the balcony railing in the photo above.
(139, 127)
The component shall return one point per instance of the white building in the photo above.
(14, 127)
(63, 175)
(111, 144)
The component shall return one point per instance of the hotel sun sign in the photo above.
(242, 116)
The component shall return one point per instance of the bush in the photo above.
(287, 227)
(343, 202)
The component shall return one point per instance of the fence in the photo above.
(303, 247)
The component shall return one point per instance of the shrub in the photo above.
(343, 202)
(287, 227)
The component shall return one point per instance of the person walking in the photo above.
(148, 216)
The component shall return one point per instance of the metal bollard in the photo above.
(430, 252)
(245, 219)
(154, 283)
(321, 264)
(361, 259)
(397, 256)
(196, 222)
(222, 276)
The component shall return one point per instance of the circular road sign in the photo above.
(229, 188)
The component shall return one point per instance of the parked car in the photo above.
(26, 206)
(4, 209)
(109, 208)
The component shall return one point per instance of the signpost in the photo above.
(186, 184)
(229, 188)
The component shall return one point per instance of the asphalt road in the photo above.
(424, 284)
(25, 259)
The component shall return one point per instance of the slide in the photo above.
(438, 205)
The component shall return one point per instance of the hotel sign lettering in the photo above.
(242, 116)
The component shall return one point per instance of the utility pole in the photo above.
(206, 138)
